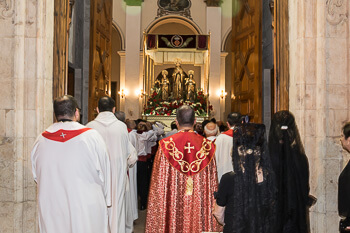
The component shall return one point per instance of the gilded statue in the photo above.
(178, 76)
(164, 84)
(190, 86)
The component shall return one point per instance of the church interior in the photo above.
(152, 56)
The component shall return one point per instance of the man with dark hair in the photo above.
(183, 180)
(120, 116)
(70, 161)
(173, 131)
(106, 104)
(122, 155)
(224, 145)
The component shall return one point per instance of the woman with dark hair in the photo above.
(246, 196)
(344, 184)
(291, 168)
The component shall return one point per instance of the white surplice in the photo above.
(116, 136)
(71, 167)
(223, 154)
(133, 176)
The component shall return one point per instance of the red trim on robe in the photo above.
(64, 135)
(229, 132)
(129, 130)
(188, 152)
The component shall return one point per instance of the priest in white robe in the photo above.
(224, 143)
(71, 167)
(131, 125)
(115, 134)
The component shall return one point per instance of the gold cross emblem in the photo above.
(189, 147)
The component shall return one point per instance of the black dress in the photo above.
(291, 168)
(249, 201)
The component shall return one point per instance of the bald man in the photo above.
(211, 131)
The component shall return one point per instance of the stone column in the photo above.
(26, 36)
(214, 28)
(319, 97)
(132, 60)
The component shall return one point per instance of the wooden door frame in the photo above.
(62, 20)
(281, 55)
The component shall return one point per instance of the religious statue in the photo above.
(164, 84)
(178, 76)
(190, 86)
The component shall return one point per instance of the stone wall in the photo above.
(26, 38)
(319, 96)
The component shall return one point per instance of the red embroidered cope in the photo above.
(188, 152)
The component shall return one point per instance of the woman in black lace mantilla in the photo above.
(291, 168)
(248, 193)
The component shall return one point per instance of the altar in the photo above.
(175, 73)
(166, 120)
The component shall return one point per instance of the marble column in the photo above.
(132, 60)
(319, 96)
(214, 28)
(26, 58)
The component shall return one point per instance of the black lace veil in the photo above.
(254, 186)
(291, 168)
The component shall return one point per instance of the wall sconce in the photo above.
(141, 93)
(122, 93)
(223, 94)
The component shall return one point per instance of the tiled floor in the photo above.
(139, 224)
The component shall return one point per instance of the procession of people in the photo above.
(194, 178)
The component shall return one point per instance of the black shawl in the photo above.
(291, 168)
(253, 202)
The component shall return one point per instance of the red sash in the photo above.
(64, 135)
(229, 132)
(188, 152)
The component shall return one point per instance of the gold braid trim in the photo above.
(178, 155)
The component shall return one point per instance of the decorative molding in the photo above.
(337, 11)
(178, 7)
(6, 9)
(215, 3)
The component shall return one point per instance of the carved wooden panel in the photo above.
(100, 53)
(246, 59)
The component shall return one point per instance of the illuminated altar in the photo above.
(175, 73)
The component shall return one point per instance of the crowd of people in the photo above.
(205, 176)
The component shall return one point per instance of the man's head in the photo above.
(211, 129)
(185, 116)
(345, 138)
(173, 125)
(120, 115)
(106, 104)
(234, 118)
(66, 107)
(131, 124)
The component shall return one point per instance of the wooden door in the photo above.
(100, 53)
(247, 59)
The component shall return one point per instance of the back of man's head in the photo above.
(211, 129)
(64, 107)
(234, 118)
(106, 104)
(131, 124)
(185, 116)
(173, 125)
(120, 115)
